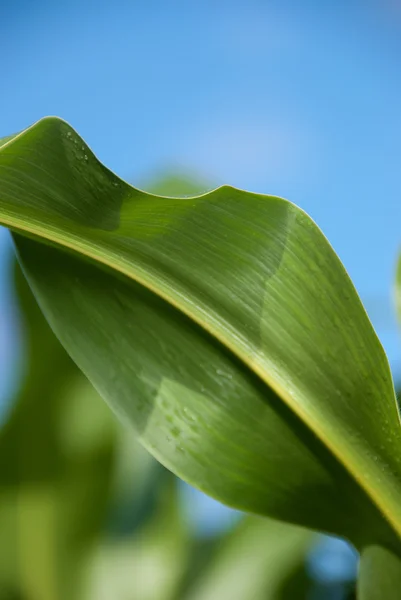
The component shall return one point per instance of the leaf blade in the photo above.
(254, 272)
(379, 575)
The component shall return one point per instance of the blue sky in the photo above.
(298, 99)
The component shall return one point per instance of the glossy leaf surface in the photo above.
(223, 327)
(380, 570)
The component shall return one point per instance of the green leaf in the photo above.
(380, 569)
(32, 429)
(379, 575)
(223, 327)
(176, 185)
(56, 459)
(148, 565)
(253, 562)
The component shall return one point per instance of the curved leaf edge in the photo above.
(181, 304)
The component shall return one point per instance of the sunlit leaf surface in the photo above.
(223, 327)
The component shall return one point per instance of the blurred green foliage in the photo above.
(57, 454)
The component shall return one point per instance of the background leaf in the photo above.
(148, 565)
(254, 562)
(55, 468)
(380, 575)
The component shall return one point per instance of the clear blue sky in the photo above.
(298, 99)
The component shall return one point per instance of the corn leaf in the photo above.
(223, 327)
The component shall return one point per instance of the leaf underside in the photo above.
(222, 327)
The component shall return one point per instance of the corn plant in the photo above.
(225, 330)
